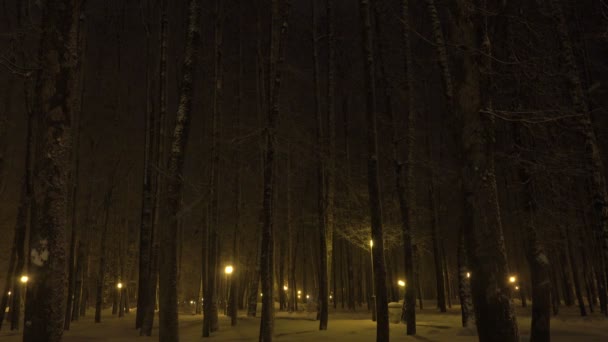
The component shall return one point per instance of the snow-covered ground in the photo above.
(343, 326)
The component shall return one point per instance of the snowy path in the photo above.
(342, 327)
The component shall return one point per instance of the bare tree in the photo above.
(53, 108)
(168, 252)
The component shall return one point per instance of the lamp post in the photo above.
(121, 305)
(371, 253)
(227, 271)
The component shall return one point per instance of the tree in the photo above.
(494, 313)
(280, 15)
(168, 252)
(53, 109)
(379, 270)
(147, 206)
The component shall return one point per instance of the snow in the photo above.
(343, 326)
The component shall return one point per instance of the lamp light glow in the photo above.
(228, 270)
(401, 283)
(24, 279)
(371, 243)
(119, 285)
(468, 274)
(512, 279)
(285, 287)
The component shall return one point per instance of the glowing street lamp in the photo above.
(9, 293)
(119, 286)
(517, 288)
(227, 271)
(371, 254)
(299, 292)
(401, 283)
(307, 296)
(512, 279)
(24, 279)
(468, 274)
(285, 288)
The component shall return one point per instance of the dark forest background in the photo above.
(541, 155)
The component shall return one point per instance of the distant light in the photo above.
(330, 297)
(468, 274)
(517, 288)
(229, 270)
(512, 279)
(401, 283)
(261, 294)
(9, 293)
(307, 296)
(371, 243)
(191, 302)
(119, 285)
(299, 296)
(24, 279)
(285, 287)
(299, 292)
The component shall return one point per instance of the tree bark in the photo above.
(147, 206)
(279, 16)
(168, 321)
(53, 107)
(494, 313)
(407, 192)
(322, 313)
(585, 126)
(379, 270)
(535, 251)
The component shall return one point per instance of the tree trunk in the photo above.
(210, 291)
(322, 313)
(379, 270)
(279, 16)
(330, 168)
(440, 281)
(168, 322)
(535, 251)
(494, 313)
(585, 127)
(464, 285)
(53, 107)
(147, 206)
(102, 249)
(407, 192)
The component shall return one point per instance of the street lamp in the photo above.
(401, 283)
(512, 279)
(24, 279)
(371, 253)
(285, 288)
(228, 271)
(119, 286)
(468, 275)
